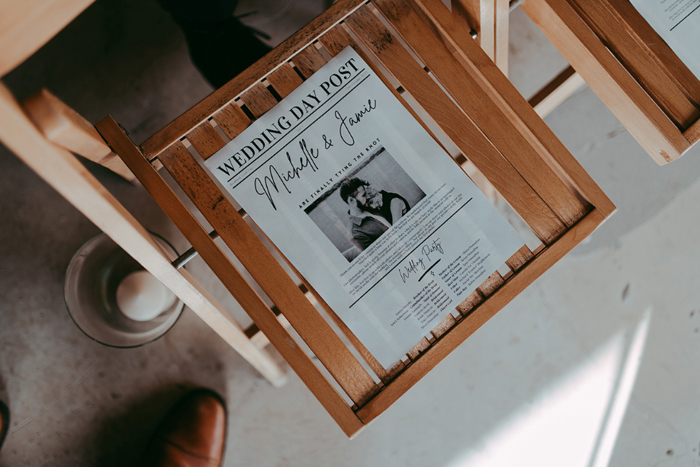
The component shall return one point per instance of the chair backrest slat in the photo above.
(284, 80)
(206, 140)
(309, 61)
(258, 99)
(232, 120)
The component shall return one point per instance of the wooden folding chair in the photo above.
(629, 67)
(428, 55)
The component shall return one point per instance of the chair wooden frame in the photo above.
(629, 66)
(465, 94)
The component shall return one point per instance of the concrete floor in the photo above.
(595, 364)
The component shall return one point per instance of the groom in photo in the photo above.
(371, 212)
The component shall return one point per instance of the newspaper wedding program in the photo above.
(678, 23)
(366, 205)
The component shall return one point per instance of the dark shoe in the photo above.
(4, 422)
(193, 433)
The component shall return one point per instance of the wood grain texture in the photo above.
(224, 95)
(230, 277)
(637, 59)
(491, 284)
(418, 349)
(608, 78)
(443, 326)
(520, 113)
(269, 274)
(285, 80)
(232, 120)
(458, 127)
(479, 316)
(64, 126)
(206, 140)
(520, 258)
(309, 61)
(258, 99)
(470, 302)
(481, 106)
(373, 363)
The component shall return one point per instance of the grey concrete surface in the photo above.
(595, 364)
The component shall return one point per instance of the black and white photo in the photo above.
(365, 204)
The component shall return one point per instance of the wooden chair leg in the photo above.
(68, 176)
(502, 22)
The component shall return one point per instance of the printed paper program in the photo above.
(366, 205)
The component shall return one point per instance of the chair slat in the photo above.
(335, 40)
(491, 284)
(285, 80)
(470, 302)
(481, 107)
(477, 318)
(309, 61)
(259, 100)
(232, 120)
(510, 184)
(418, 349)
(443, 326)
(519, 111)
(206, 140)
(518, 260)
(376, 367)
(660, 85)
(270, 275)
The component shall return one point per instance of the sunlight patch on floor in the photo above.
(575, 422)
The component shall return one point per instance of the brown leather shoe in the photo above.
(193, 433)
(4, 422)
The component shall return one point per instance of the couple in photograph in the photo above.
(371, 211)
